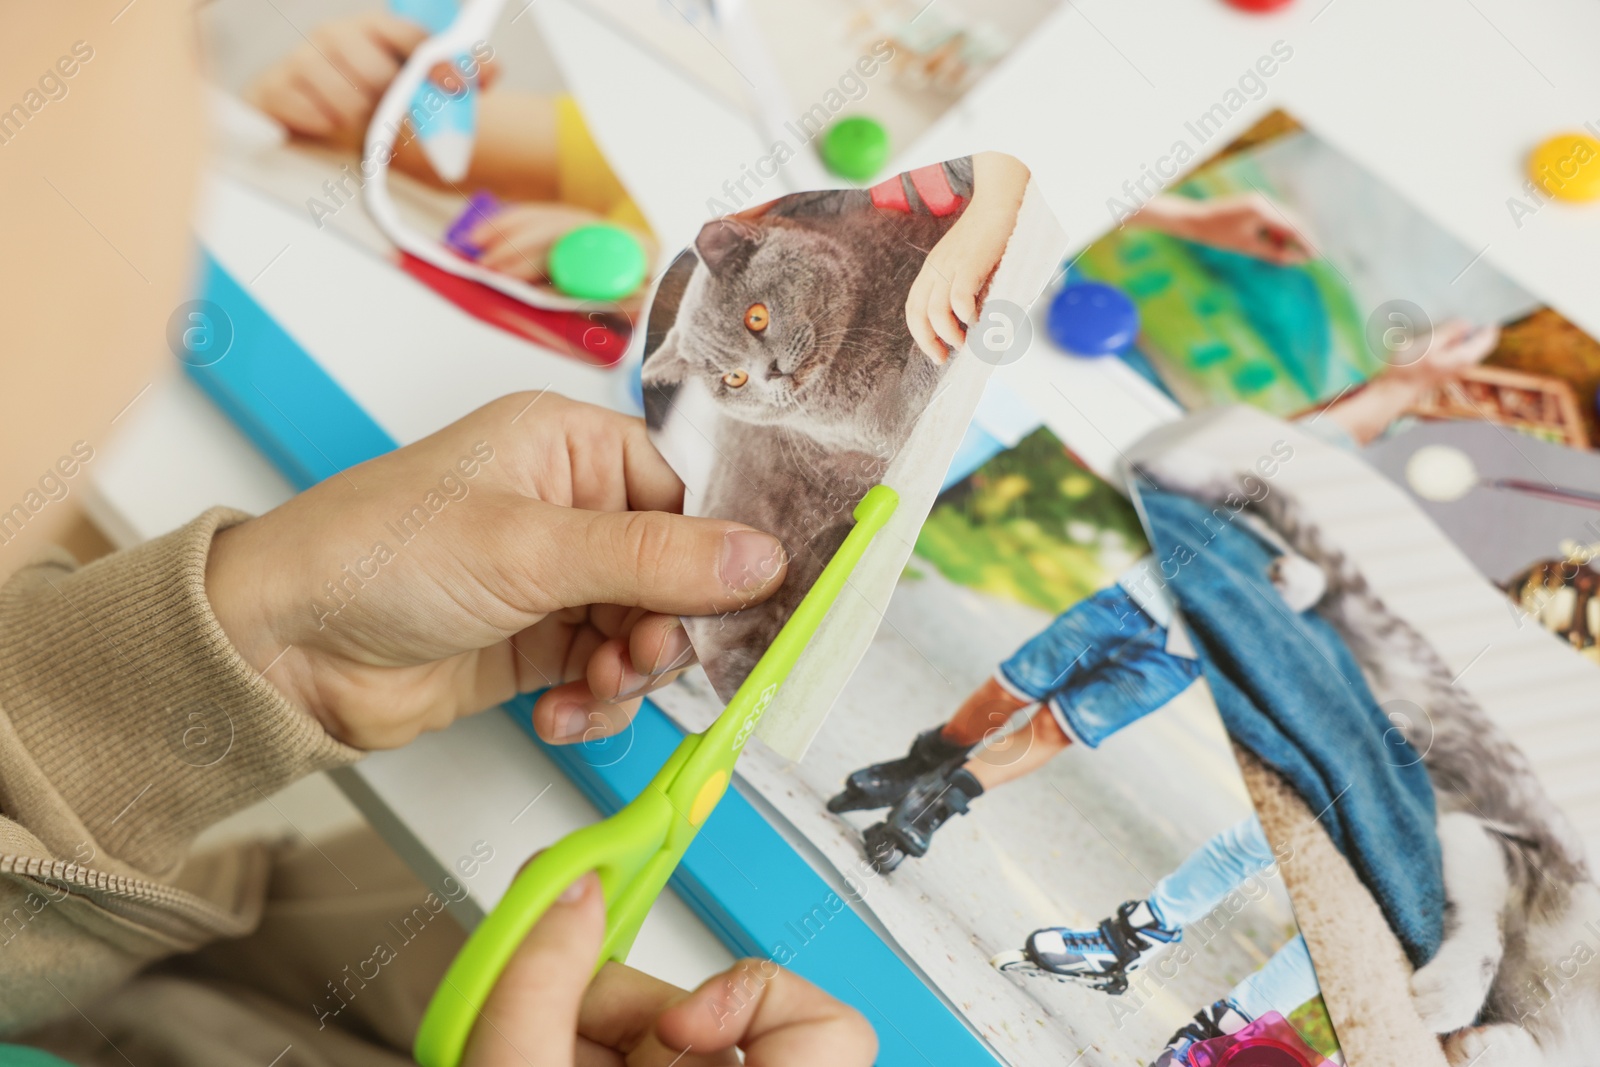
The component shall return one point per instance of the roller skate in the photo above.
(1100, 958)
(926, 806)
(883, 784)
(1215, 1020)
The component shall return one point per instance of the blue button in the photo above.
(1091, 319)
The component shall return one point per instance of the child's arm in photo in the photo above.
(326, 90)
(1247, 223)
(943, 300)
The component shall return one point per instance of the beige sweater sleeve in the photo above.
(128, 724)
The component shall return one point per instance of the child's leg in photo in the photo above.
(1205, 878)
(1287, 981)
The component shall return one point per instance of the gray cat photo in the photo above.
(780, 378)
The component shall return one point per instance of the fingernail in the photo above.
(631, 685)
(750, 559)
(675, 651)
(567, 723)
(577, 890)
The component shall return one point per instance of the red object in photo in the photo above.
(1270, 1041)
(600, 338)
(1260, 6)
(932, 188)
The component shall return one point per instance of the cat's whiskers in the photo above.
(802, 459)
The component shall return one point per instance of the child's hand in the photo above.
(531, 544)
(516, 240)
(541, 1013)
(1452, 347)
(1248, 224)
(327, 88)
(943, 300)
(1367, 413)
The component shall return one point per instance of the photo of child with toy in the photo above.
(294, 111)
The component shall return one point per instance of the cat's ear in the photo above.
(666, 366)
(726, 244)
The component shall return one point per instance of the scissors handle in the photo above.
(636, 850)
(618, 849)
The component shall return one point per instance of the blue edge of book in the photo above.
(773, 905)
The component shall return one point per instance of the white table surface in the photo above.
(1443, 98)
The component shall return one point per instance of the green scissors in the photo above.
(636, 850)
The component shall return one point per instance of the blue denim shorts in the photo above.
(1099, 666)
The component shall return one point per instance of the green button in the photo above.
(597, 262)
(855, 148)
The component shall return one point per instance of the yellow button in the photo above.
(705, 802)
(1567, 166)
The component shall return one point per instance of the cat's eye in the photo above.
(755, 319)
(735, 379)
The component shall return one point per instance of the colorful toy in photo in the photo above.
(480, 208)
(1270, 1041)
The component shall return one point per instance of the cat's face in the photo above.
(761, 323)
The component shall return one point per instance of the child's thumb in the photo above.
(662, 562)
(531, 1015)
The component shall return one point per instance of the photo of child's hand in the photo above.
(943, 300)
(1248, 224)
(1453, 346)
(516, 240)
(546, 1011)
(328, 87)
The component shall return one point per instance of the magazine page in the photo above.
(1354, 649)
(1283, 277)
(1027, 783)
(792, 363)
(472, 186)
(1282, 274)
